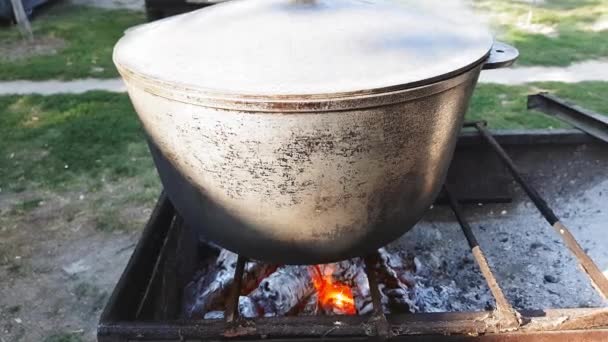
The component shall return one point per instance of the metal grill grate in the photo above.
(504, 323)
(504, 318)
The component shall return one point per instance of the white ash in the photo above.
(211, 289)
(361, 292)
(289, 290)
(397, 296)
(246, 308)
(217, 314)
(283, 290)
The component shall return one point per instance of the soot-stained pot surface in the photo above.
(304, 131)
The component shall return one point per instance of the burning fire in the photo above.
(333, 296)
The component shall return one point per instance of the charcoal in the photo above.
(283, 290)
(391, 272)
(361, 293)
(289, 290)
(247, 309)
(434, 298)
(352, 273)
(344, 271)
(311, 306)
(212, 288)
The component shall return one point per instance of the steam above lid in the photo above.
(288, 47)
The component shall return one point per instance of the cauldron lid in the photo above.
(307, 47)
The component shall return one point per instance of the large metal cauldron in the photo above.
(284, 165)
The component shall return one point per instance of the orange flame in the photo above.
(333, 295)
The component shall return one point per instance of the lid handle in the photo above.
(303, 2)
(501, 56)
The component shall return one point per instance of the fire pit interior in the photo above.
(475, 266)
(331, 289)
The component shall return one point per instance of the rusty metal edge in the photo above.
(378, 318)
(155, 230)
(527, 137)
(564, 322)
(507, 318)
(455, 323)
(305, 103)
(232, 303)
(598, 280)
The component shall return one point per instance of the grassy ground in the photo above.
(70, 42)
(55, 142)
(505, 106)
(86, 143)
(76, 41)
(48, 141)
(550, 32)
(92, 143)
(75, 171)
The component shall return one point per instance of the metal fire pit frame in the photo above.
(592, 123)
(122, 321)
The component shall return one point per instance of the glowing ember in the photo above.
(333, 296)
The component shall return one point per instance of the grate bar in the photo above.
(232, 304)
(378, 318)
(588, 324)
(508, 317)
(597, 278)
(587, 121)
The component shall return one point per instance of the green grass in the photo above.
(89, 35)
(50, 142)
(88, 148)
(25, 206)
(93, 144)
(58, 142)
(574, 40)
(64, 337)
(504, 107)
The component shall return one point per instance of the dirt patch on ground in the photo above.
(58, 265)
(128, 4)
(24, 49)
(600, 25)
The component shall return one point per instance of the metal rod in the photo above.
(156, 271)
(232, 304)
(552, 324)
(378, 318)
(540, 203)
(476, 200)
(22, 20)
(597, 278)
(505, 311)
(474, 123)
(587, 121)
